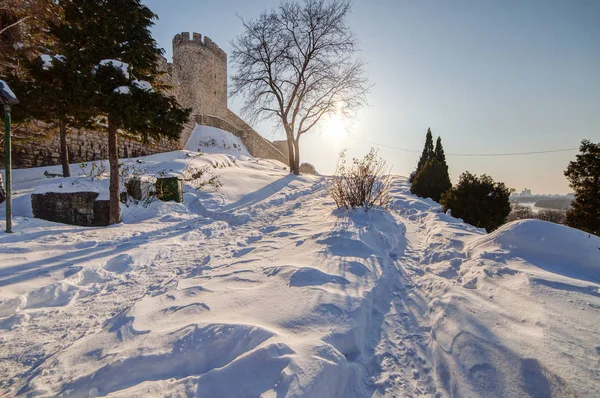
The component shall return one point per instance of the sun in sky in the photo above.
(335, 125)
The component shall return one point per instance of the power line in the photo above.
(469, 154)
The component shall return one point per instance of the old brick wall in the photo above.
(282, 146)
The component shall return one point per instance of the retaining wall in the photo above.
(258, 146)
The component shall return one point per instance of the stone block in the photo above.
(307, 168)
(76, 208)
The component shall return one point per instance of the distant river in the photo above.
(533, 207)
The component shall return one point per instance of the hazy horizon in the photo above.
(488, 77)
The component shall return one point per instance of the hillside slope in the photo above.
(265, 289)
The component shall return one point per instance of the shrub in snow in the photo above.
(478, 201)
(362, 184)
(555, 216)
(584, 177)
(199, 177)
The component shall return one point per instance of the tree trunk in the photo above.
(296, 156)
(114, 187)
(290, 140)
(64, 150)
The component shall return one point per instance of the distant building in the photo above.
(525, 193)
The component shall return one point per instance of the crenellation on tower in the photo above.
(184, 38)
(200, 66)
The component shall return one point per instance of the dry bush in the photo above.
(364, 183)
(199, 177)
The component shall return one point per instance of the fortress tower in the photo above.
(200, 68)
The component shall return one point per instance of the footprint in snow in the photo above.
(252, 239)
(312, 277)
(243, 252)
(119, 264)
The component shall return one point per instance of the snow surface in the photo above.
(122, 90)
(212, 140)
(75, 184)
(264, 289)
(123, 67)
(143, 85)
(49, 59)
(7, 90)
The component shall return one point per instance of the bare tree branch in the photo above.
(296, 64)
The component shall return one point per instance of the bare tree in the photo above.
(296, 64)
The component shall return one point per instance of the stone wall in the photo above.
(78, 208)
(256, 144)
(283, 148)
(42, 147)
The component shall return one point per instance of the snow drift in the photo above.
(263, 288)
(554, 247)
(213, 140)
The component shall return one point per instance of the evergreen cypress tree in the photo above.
(439, 152)
(584, 177)
(432, 181)
(111, 46)
(427, 154)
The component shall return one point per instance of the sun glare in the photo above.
(335, 126)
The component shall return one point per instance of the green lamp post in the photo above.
(7, 100)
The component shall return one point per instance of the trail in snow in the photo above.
(264, 289)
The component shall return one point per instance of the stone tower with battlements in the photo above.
(198, 76)
(200, 68)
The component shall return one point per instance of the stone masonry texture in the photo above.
(78, 208)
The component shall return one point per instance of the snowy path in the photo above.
(275, 293)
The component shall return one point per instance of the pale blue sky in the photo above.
(488, 76)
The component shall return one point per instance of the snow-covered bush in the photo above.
(361, 184)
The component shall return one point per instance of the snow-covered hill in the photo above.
(263, 288)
